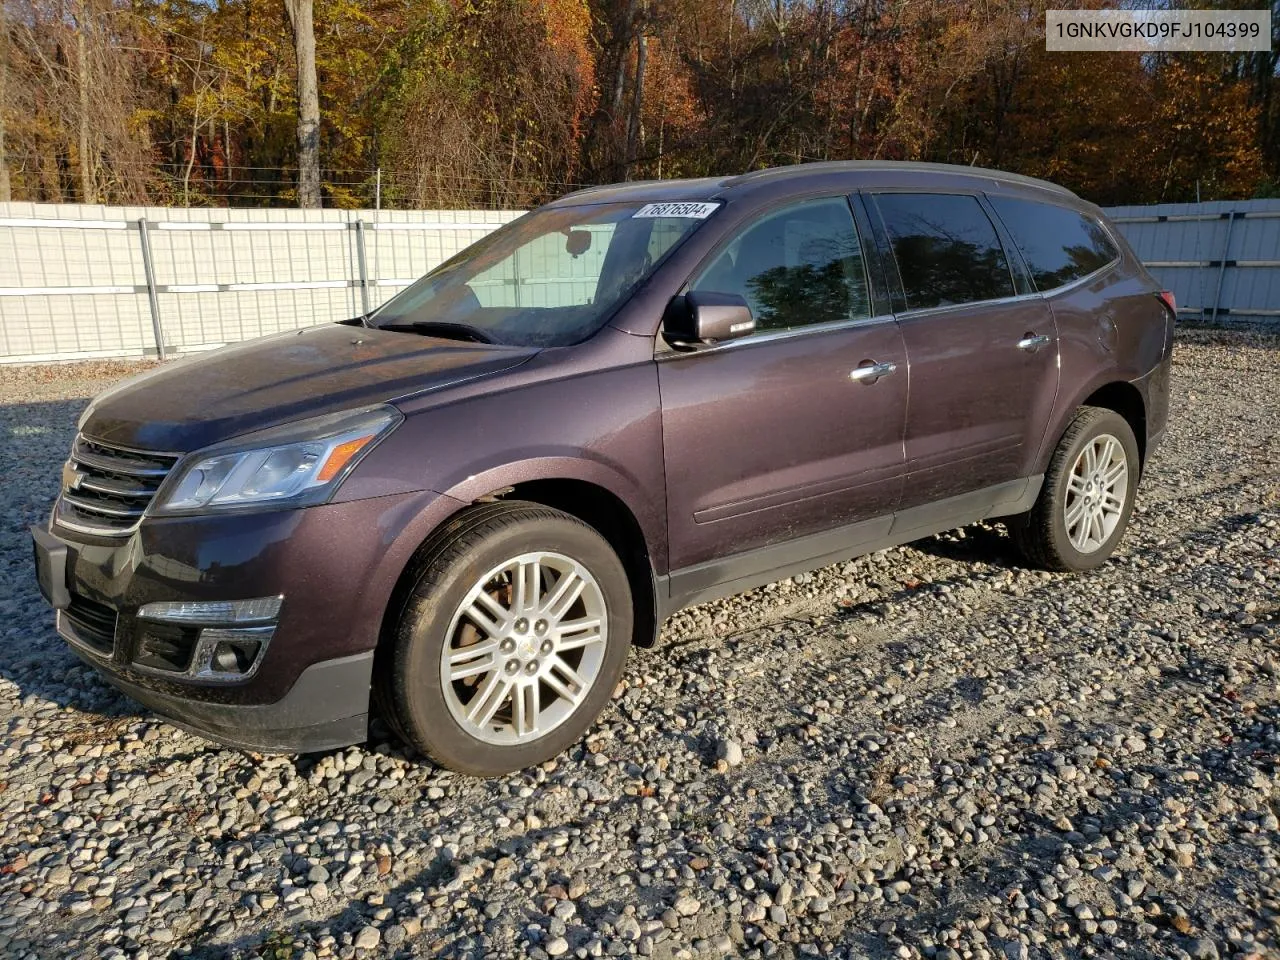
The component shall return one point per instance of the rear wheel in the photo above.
(511, 641)
(1087, 498)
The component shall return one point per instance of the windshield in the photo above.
(549, 279)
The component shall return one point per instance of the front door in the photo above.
(784, 434)
(983, 354)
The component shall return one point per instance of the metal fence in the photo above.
(79, 282)
(1220, 259)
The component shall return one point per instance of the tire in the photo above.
(539, 659)
(1043, 535)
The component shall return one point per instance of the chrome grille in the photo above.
(106, 489)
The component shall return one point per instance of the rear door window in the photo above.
(946, 248)
(1059, 245)
(796, 267)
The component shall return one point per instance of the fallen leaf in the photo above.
(14, 865)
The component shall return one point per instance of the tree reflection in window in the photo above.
(946, 248)
(1058, 245)
(797, 267)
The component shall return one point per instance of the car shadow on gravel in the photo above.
(36, 438)
(980, 543)
(50, 672)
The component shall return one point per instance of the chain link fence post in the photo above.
(149, 270)
(363, 265)
(1222, 266)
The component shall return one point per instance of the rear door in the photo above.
(778, 436)
(983, 348)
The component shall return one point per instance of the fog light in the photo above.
(234, 656)
(259, 610)
(230, 637)
(230, 654)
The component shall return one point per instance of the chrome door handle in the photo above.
(1033, 342)
(871, 372)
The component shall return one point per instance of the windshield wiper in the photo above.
(442, 328)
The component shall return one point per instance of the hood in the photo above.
(183, 406)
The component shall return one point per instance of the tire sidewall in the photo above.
(421, 635)
(1103, 422)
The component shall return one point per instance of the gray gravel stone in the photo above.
(367, 938)
(951, 756)
(730, 751)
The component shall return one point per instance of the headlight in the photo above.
(297, 464)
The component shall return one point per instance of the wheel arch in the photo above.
(603, 509)
(610, 516)
(1119, 396)
(1124, 398)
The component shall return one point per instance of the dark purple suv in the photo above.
(466, 506)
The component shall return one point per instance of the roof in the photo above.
(714, 188)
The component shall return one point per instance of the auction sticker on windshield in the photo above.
(695, 211)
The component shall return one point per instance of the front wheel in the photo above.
(1087, 498)
(511, 641)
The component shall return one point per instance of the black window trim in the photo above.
(1018, 266)
(1078, 281)
(1002, 237)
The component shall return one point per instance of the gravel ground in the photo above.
(927, 752)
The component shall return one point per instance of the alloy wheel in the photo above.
(524, 648)
(1097, 488)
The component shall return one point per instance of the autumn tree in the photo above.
(72, 101)
(5, 189)
(302, 22)
(510, 102)
(485, 103)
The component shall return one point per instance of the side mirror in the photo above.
(701, 318)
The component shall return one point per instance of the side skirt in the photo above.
(754, 568)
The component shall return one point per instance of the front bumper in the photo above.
(335, 565)
(326, 708)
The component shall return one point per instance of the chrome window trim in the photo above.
(923, 312)
(1081, 281)
(1000, 301)
(776, 335)
(953, 307)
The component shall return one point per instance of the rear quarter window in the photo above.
(1058, 245)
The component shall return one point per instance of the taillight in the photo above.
(1169, 301)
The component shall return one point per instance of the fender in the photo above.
(650, 517)
(412, 520)
(1067, 406)
(1119, 339)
